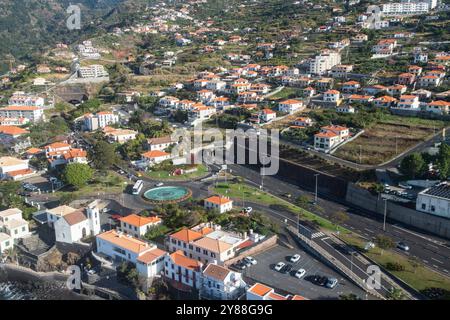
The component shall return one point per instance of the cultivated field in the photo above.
(388, 138)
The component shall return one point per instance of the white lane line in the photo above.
(425, 261)
(430, 245)
(368, 230)
(437, 260)
(420, 236)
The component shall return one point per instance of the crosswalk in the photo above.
(317, 235)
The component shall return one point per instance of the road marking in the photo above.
(369, 230)
(445, 270)
(425, 261)
(435, 266)
(431, 245)
(437, 260)
(420, 236)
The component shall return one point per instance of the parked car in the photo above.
(248, 210)
(403, 246)
(404, 186)
(300, 273)
(320, 280)
(160, 184)
(247, 263)
(286, 269)
(295, 258)
(331, 283)
(240, 266)
(279, 266)
(287, 195)
(251, 260)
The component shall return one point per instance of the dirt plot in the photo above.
(386, 139)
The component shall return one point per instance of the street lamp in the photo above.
(385, 213)
(315, 196)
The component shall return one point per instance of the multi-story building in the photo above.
(408, 102)
(182, 272)
(32, 113)
(341, 70)
(330, 137)
(405, 8)
(138, 226)
(438, 107)
(207, 243)
(20, 98)
(323, 62)
(13, 168)
(13, 225)
(99, 120)
(219, 203)
(290, 106)
(93, 71)
(220, 283)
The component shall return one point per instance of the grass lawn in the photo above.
(419, 278)
(166, 175)
(388, 138)
(241, 191)
(111, 183)
(285, 93)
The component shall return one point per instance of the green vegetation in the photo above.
(77, 174)
(166, 173)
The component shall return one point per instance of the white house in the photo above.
(408, 102)
(14, 168)
(160, 144)
(138, 226)
(267, 115)
(220, 283)
(151, 263)
(79, 224)
(6, 242)
(154, 157)
(290, 106)
(331, 96)
(13, 224)
(120, 135)
(99, 120)
(183, 271)
(32, 113)
(439, 107)
(219, 203)
(330, 137)
(435, 200)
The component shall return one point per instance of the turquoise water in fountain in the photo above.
(166, 194)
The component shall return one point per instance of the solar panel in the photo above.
(441, 190)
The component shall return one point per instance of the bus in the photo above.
(138, 187)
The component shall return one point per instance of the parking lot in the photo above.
(264, 272)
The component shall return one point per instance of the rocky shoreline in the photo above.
(25, 284)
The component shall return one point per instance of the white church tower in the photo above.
(93, 215)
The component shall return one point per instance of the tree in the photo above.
(77, 174)
(444, 161)
(350, 296)
(414, 262)
(412, 165)
(104, 155)
(384, 242)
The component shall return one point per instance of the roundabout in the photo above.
(167, 195)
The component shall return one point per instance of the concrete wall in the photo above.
(426, 222)
(262, 246)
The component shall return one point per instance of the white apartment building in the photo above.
(32, 113)
(435, 200)
(99, 120)
(92, 71)
(138, 226)
(324, 62)
(331, 96)
(20, 98)
(182, 270)
(13, 225)
(405, 8)
(330, 137)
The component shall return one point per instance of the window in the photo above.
(191, 247)
(16, 231)
(424, 206)
(7, 243)
(23, 229)
(433, 208)
(205, 252)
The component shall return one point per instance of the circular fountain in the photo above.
(167, 194)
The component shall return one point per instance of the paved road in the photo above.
(432, 251)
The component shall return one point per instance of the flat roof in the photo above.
(441, 190)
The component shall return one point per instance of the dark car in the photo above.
(286, 269)
(320, 280)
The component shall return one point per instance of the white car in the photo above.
(251, 260)
(295, 258)
(280, 266)
(248, 210)
(159, 184)
(300, 273)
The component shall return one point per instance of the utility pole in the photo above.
(360, 154)
(385, 213)
(315, 196)
(396, 145)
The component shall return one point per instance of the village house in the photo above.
(332, 96)
(350, 86)
(138, 226)
(396, 90)
(408, 102)
(384, 101)
(345, 109)
(32, 113)
(341, 70)
(20, 98)
(119, 135)
(267, 115)
(160, 144)
(220, 283)
(262, 292)
(385, 46)
(439, 107)
(427, 81)
(14, 169)
(406, 79)
(416, 70)
(219, 203)
(290, 106)
(154, 157)
(330, 137)
(357, 98)
(309, 92)
(303, 122)
(182, 272)
(12, 227)
(10, 135)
